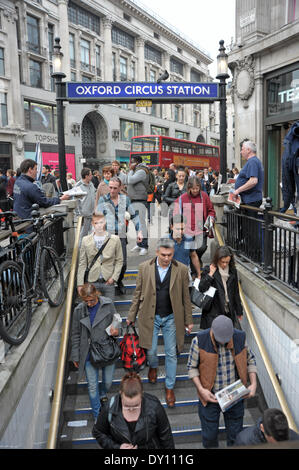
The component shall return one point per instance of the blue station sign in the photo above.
(131, 91)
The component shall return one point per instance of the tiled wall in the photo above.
(284, 357)
(29, 426)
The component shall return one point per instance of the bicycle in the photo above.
(17, 288)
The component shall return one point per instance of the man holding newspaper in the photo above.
(219, 359)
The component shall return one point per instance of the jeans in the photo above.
(141, 208)
(167, 325)
(96, 390)
(209, 416)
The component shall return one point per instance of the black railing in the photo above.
(268, 239)
(54, 236)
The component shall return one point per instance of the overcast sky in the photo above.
(203, 21)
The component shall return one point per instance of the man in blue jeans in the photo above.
(218, 358)
(162, 301)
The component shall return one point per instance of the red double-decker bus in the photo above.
(160, 151)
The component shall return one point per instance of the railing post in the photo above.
(268, 237)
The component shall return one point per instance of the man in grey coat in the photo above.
(137, 185)
(86, 204)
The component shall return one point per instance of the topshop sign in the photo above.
(129, 91)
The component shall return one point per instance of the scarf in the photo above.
(224, 273)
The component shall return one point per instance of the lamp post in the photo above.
(222, 75)
(58, 75)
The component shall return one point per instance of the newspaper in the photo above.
(236, 200)
(209, 225)
(76, 191)
(116, 323)
(230, 395)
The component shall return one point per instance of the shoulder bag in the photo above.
(86, 274)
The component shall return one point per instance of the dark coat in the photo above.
(152, 430)
(173, 192)
(26, 193)
(218, 303)
(254, 436)
(290, 166)
(82, 330)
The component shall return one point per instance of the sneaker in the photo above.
(136, 248)
(143, 251)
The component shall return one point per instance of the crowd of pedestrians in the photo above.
(219, 354)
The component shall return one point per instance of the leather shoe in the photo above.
(152, 375)
(170, 397)
(121, 288)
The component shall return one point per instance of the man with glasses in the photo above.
(162, 301)
(116, 208)
(219, 357)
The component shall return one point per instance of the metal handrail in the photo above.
(277, 388)
(56, 406)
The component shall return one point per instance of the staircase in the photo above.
(77, 420)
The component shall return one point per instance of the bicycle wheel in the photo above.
(15, 304)
(51, 276)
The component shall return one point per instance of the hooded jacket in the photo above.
(137, 183)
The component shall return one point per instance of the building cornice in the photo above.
(167, 31)
(264, 45)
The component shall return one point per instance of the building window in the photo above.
(195, 77)
(3, 103)
(2, 64)
(86, 79)
(85, 54)
(40, 117)
(123, 63)
(176, 67)
(98, 60)
(155, 130)
(152, 54)
(33, 34)
(35, 69)
(133, 71)
(152, 77)
(129, 129)
(114, 66)
(82, 17)
(73, 76)
(51, 40)
(293, 10)
(122, 38)
(72, 50)
(52, 79)
(182, 135)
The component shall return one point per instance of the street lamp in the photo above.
(58, 75)
(222, 75)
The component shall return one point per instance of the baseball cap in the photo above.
(223, 329)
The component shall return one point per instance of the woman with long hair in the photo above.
(222, 275)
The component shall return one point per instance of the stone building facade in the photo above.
(101, 40)
(265, 88)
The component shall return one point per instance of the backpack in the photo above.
(151, 182)
(132, 355)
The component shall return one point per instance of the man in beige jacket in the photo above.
(106, 270)
(162, 301)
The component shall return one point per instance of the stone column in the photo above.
(166, 66)
(64, 37)
(107, 70)
(188, 106)
(140, 60)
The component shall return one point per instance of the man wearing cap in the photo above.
(218, 357)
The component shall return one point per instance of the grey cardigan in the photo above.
(82, 330)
